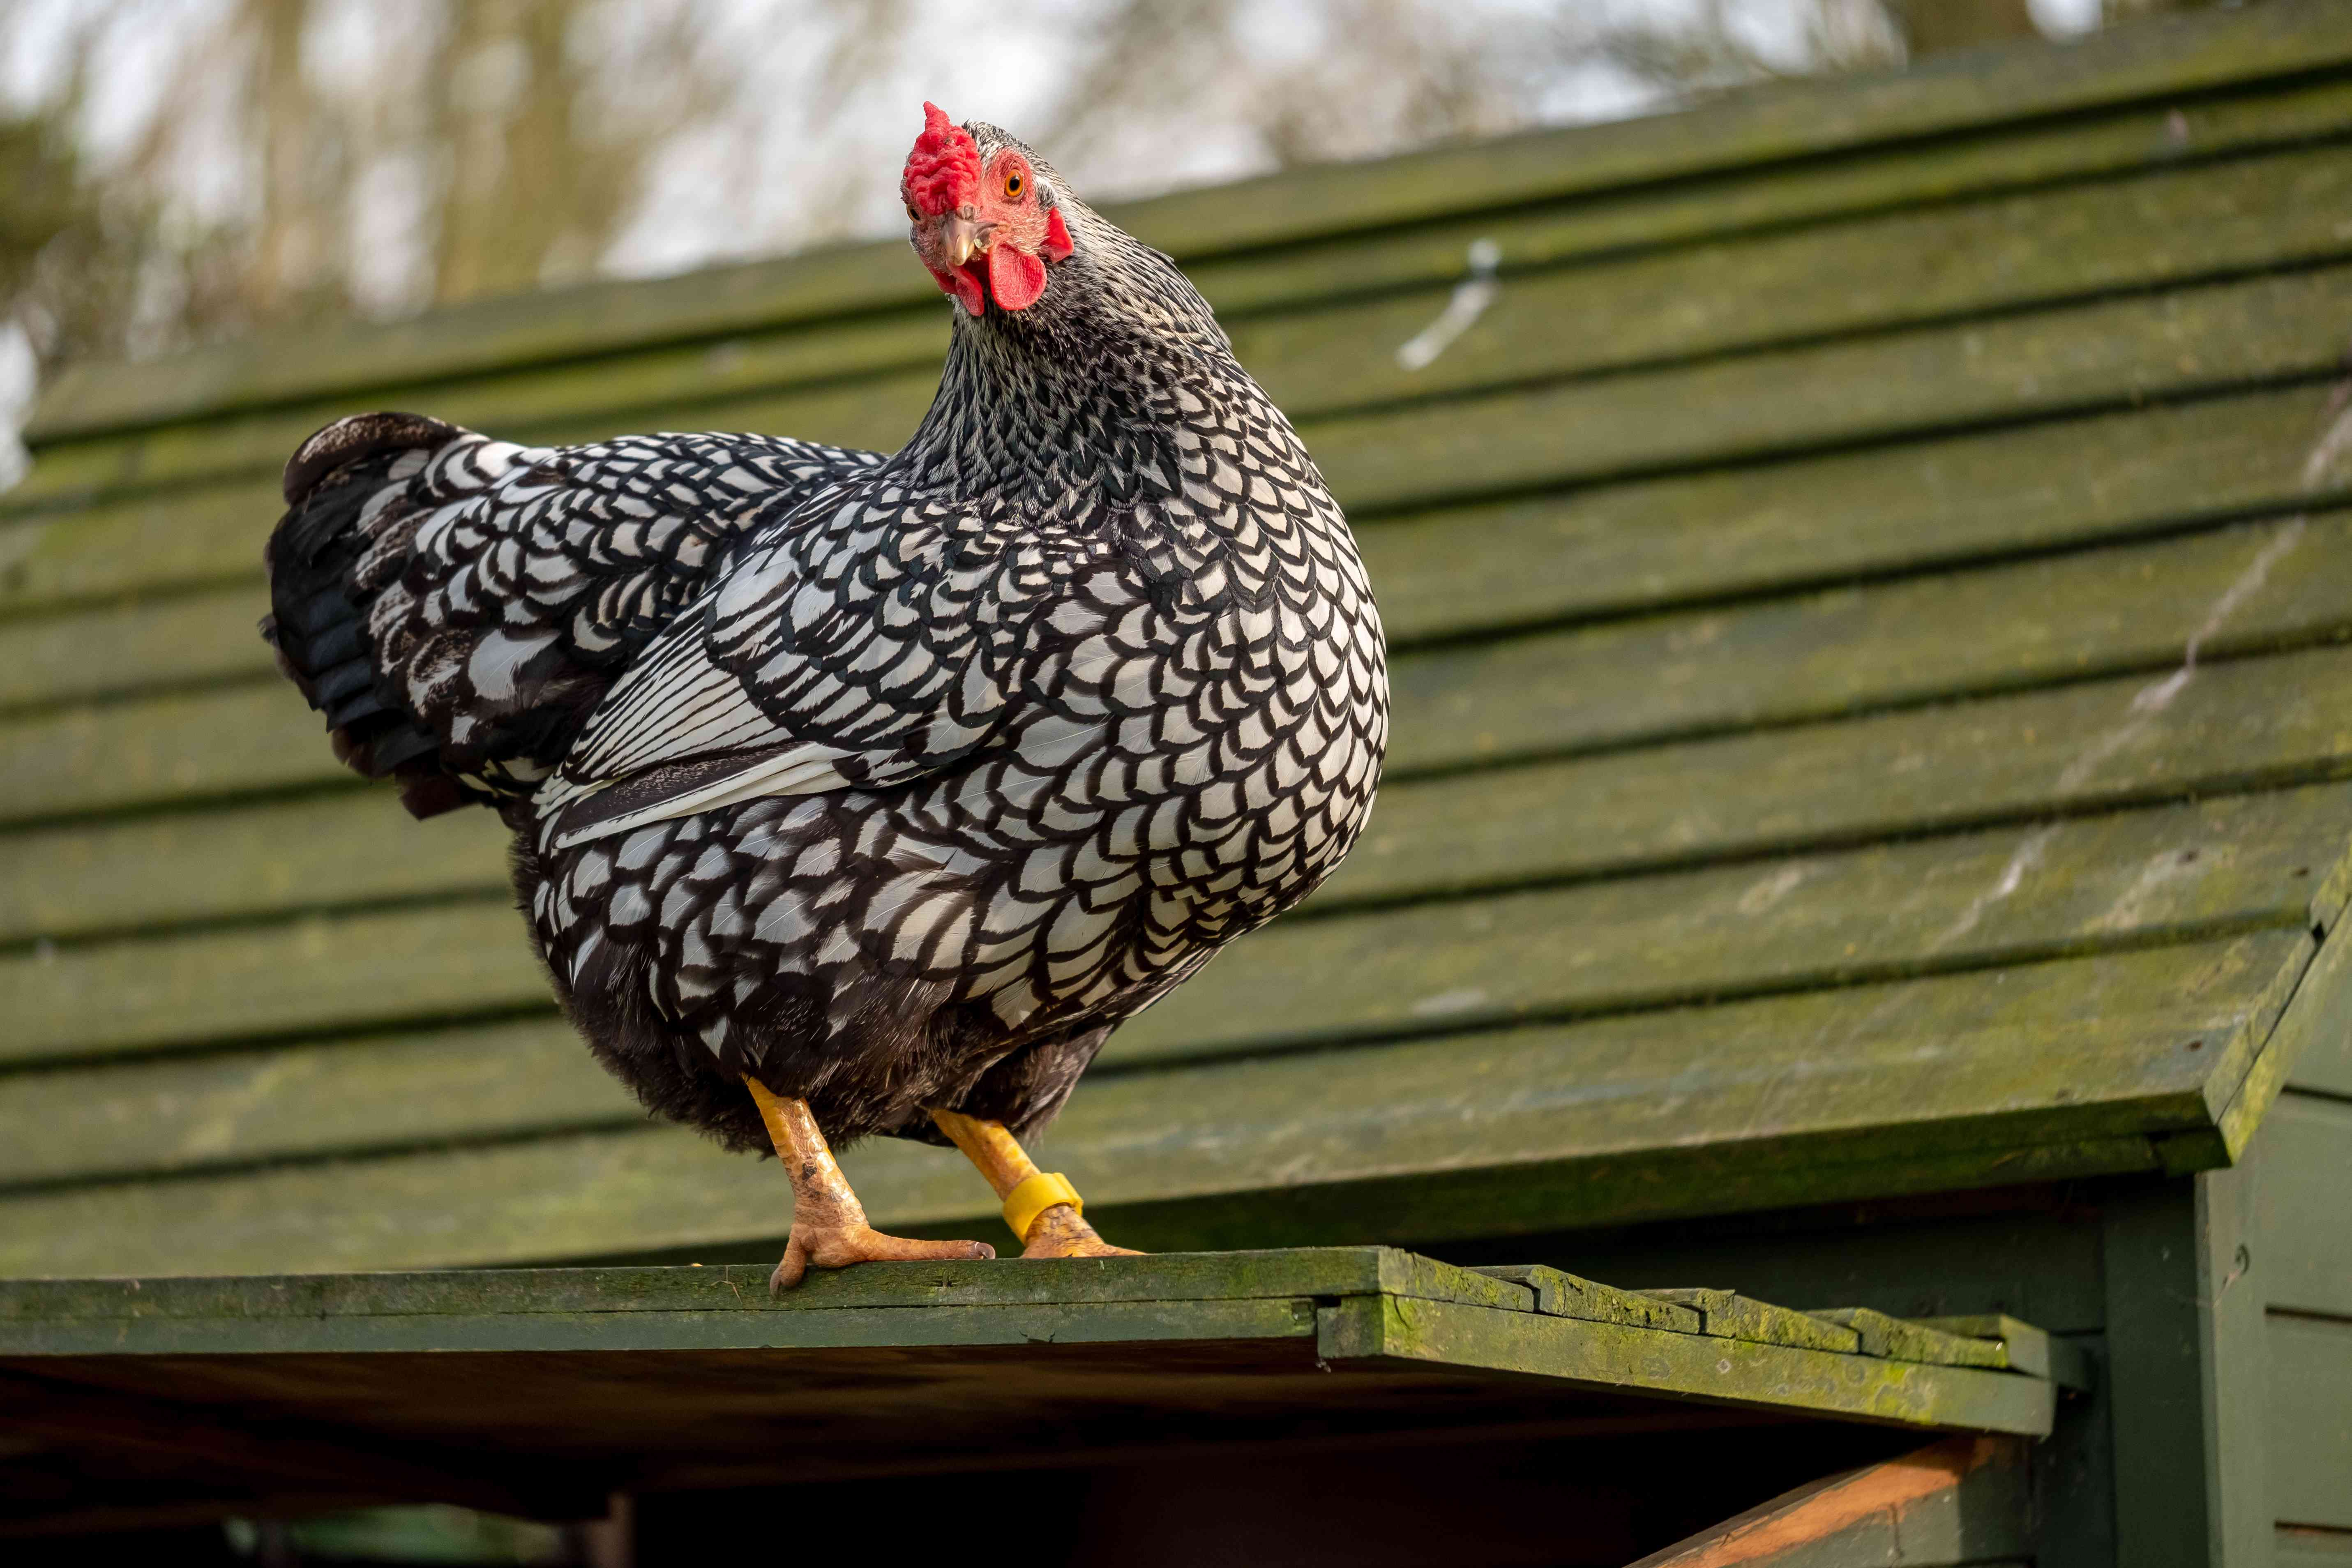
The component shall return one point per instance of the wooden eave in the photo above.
(543, 1391)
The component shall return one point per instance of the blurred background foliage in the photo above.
(173, 170)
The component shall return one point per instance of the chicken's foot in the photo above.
(1044, 1210)
(829, 1228)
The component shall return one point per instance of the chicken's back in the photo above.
(454, 605)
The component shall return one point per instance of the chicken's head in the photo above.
(983, 228)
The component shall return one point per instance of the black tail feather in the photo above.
(320, 630)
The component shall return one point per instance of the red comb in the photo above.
(943, 171)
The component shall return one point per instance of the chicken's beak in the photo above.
(958, 237)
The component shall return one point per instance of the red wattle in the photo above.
(963, 288)
(1015, 277)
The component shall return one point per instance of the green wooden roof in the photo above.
(1868, 600)
(542, 1391)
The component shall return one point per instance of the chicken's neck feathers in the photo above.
(1086, 396)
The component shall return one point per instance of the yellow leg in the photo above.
(1044, 1211)
(829, 1228)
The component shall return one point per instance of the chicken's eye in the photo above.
(912, 216)
(1014, 186)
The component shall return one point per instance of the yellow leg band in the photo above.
(1034, 1196)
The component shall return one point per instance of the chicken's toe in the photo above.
(839, 1246)
(1061, 1231)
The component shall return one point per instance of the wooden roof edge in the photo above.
(124, 1313)
(1756, 125)
(2317, 1007)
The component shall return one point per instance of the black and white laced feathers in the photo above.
(896, 781)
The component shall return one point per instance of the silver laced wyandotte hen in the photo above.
(855, 794)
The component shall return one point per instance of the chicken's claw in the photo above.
(839, 1246)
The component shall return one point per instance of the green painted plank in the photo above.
(341, 848)
(2165, 872)
(1747, 128)
(2045, 362)
(2305, 1161)
(1740, 293)
(372, 1093)
(188, 537)
(848, 1328)
(1727, 1314)
(130, 1314)
(1730, 295)
(1612, 548)
(2310, 1444)
(2253, 721)
(314, 974)
(2020, 624)
(133, 647)
(1746, 928)
(1861, 1092)
(1368, 1331)
(1811, 657)
(210, 745)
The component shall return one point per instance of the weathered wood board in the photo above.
(662, 1377)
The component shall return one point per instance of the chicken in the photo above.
(858, 795)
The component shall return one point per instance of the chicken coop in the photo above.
(1835, 1047)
